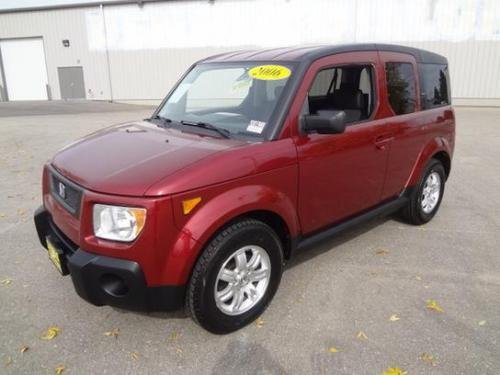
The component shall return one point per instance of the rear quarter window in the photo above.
(434, 82)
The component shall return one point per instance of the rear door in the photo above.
(401, 107)
(341, 175)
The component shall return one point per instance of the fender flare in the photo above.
(217, 212)
(434, 146)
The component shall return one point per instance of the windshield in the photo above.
(237, 98)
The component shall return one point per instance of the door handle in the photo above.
(383, 140)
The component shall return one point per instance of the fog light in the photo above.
(113, 285)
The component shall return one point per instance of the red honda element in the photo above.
(251, 157)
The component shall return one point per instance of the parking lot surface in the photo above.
(353, 305)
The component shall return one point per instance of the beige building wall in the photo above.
(136, 53)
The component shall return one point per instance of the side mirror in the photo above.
(325, 122)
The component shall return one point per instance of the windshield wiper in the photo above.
(205, 125)
(164, 121)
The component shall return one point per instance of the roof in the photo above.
(310, 53)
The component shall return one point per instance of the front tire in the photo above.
(236, 276)
(426, 198)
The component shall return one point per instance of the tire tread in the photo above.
(200, 269)
(410, 213)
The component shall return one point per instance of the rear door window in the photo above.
(434, 82)
(401, 87)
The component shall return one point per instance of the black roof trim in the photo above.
(311, 53)
(422, 56)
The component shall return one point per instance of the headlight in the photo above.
(118, 223)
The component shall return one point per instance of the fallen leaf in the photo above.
(394, 318)
(259, 322)
(362, 336)
(6, 282)
(429, 358)
(174, 336)
(482, 322)
(394, 371)
(418, 278)
(59, 369)
(8, 361)
(332, 349)
(178, 350)
(433, 305)
(113, 333)
(24, 349)
(51, 333)
(134, 356)
(2, 215)
(382, 252)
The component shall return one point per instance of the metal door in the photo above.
(71, 82)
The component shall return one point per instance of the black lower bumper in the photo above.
(103, 280)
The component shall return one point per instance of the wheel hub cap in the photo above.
(242, 280)
(431, 192)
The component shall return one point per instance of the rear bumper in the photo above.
(103, 280)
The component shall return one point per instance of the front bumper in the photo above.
(103, 280)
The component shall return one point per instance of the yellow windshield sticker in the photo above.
(269, 72)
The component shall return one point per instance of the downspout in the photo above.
(4, 95)
(107, 52)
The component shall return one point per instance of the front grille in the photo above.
(67, 193)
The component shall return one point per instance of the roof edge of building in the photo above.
(83, 4)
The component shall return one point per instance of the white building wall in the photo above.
(149, 46)
(54, 26)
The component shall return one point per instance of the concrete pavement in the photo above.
(353, 283)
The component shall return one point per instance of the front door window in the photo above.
(346, 88)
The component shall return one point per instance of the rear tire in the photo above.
(236, 277)
(426, 197)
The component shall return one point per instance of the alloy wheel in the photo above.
(242, 280)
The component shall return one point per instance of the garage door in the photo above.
(24, 68)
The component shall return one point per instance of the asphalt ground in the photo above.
(332, 312)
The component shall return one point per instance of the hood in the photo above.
(127, 159)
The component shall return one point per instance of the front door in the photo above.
(342, 174)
